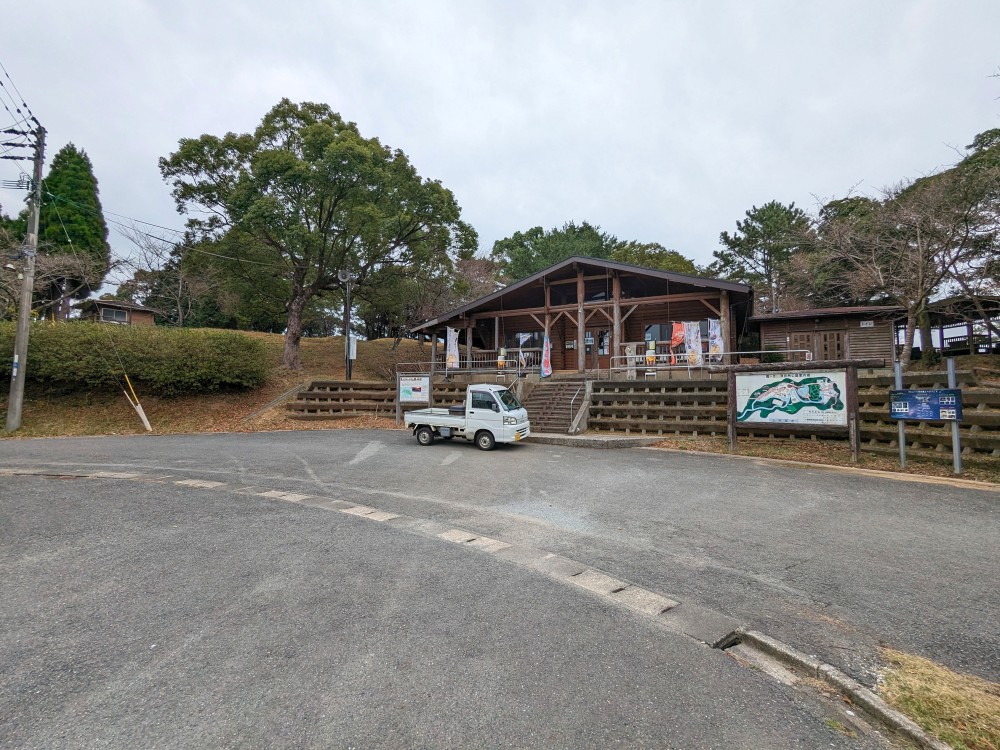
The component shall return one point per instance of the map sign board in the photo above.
(414, 390)
(931, 405)
(792, 398)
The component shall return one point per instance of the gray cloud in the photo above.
(660, 121)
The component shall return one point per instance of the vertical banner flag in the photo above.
(451, 358)
(692, 342)
(676, 341)
(716, 347)
(546, 357)
(521, 359)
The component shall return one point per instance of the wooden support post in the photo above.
(434, 356)
(468, 343)
(616, 320)
(731, 411)
(581, 349)
(547, 332)
(724, 326)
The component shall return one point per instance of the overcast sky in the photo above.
(659, 121)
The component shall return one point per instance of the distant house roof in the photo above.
(566, 269)
(89, 304)
(874, 311)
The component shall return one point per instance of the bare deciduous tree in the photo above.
(918, 237)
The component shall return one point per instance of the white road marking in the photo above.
(202, 483)
(292, 497)
(451, 458)
(367, 452)
(487, 545)
(458, 536)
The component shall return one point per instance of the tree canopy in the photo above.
(71, 222)
(525, 253)
(759, 251)
(307, 196)
(922, 238)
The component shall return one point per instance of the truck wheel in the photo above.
(484, 440)
(425, 436)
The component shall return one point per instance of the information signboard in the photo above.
(414, 390)
(931, 405)
(793, 398)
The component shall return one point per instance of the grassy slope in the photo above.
(111, 414)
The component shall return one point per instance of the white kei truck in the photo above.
(491, 414)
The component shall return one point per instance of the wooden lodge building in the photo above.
(594, 312)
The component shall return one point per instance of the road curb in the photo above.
(968, 484)
(586, 441)
(857, 693)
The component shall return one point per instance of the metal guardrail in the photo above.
(667, 362)
(481, 362)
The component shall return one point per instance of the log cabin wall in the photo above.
(858, 342)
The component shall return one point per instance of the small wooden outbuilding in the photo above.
(865, 332)
(116, 311)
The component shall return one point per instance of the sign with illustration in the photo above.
(414, 390)
(794, 398)
(931, 405)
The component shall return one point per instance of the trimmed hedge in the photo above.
(79, 355)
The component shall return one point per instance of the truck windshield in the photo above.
(509, 401)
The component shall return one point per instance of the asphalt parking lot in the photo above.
(150, 614)
(832, 563)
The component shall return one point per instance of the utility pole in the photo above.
(15, 402)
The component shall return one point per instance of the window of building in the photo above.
(113, 315)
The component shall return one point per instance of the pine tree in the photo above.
(72, 222)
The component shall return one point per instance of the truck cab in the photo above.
(491, 414)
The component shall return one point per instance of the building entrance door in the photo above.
(598, 349)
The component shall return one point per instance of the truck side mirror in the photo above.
(495, 408)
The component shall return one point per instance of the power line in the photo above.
(19, 95)
(184, 245)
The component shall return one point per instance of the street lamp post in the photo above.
(347, 280)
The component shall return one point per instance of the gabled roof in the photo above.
(880, 311)
(115, 304)
(597, 263)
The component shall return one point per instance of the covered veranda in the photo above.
(598, 315)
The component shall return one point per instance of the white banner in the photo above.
(451, 356)
(692, 342)
(716, 345)
(799, 398)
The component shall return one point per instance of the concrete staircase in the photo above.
(551, 407)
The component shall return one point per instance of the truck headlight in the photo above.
(510, 420)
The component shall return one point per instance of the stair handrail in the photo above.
(572, 414)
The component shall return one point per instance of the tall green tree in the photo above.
(71, 222)
(525, 253)
(759, 251)
(315, 197)
(653, 255)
